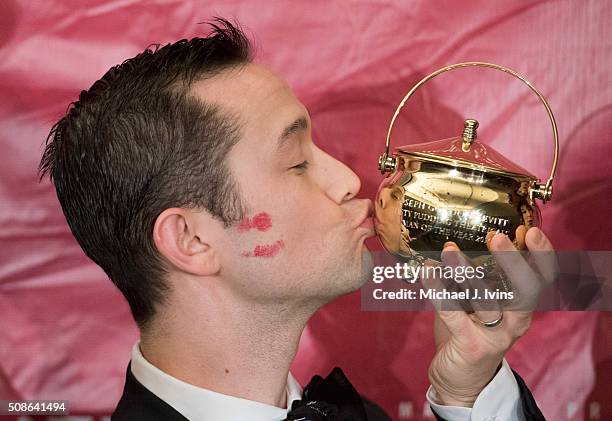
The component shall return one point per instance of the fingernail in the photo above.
(503, 241)
(489, 238)
(499, 234)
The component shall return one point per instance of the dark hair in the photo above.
(137, 143)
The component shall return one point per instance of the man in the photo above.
(190, 176)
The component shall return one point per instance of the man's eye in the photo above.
(301, 167)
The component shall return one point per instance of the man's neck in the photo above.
(243, 351)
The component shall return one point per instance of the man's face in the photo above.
(388, 211)
(303, 236)
(527, 214)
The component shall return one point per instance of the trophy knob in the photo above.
(469, 133)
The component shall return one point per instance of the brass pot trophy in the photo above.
(456, 189)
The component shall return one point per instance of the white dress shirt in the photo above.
(498, 401)
(198, 404)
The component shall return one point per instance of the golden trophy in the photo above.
(455, 189)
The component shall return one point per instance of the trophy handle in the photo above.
(541, 191)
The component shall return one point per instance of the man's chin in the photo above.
(353, 278)
(367, 265)
(364, 274)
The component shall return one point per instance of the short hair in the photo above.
(137, 143)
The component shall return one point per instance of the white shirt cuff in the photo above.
(499, 400)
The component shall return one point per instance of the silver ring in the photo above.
(493, 323)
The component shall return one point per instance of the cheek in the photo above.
(264, 250)
(287, 219)
(287, 232)
(260, 222)
(316, 218)
(256, 233)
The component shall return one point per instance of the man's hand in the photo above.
(469, 353)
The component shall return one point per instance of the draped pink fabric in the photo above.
(65, 332)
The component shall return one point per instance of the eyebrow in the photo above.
(301, 123)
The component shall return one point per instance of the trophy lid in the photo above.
(464, 151)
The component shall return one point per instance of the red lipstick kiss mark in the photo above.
(265, 250)
(260, 222)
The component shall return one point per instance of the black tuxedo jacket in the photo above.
(139, 404)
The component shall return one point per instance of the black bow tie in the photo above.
(330, 399)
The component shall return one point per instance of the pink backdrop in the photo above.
(65, 332)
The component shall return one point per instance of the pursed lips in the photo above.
(366, 221)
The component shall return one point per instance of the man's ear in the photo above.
(178, 238)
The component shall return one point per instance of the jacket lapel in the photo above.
(139, 404)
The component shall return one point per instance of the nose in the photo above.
(338, 181)
(383, 198)
(389, 195)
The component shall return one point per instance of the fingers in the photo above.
(520, 234)
(448, 312)
(485, 310)
(435, 284)
(543, 254)
(489, 237)
(526, 282)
